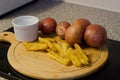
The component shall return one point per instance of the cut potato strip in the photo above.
(35, 46)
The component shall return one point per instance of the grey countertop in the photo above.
(66, 11)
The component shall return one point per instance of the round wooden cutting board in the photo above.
(39, 66)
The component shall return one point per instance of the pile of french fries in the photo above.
(59, 50)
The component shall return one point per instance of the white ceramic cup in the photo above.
(25, 28)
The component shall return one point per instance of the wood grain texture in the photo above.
(38, 65)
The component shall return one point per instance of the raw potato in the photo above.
(47, 25)
(74, 34)
(95, 35)
(61, 28)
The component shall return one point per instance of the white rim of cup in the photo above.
(17, 19)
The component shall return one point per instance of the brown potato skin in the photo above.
(47, 25)
(61, 28)
(95, 35)
(74, 34)
(83, 22)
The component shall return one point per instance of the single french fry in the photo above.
(41, 40)
(83, 61)
(35, 46)
(49, 39)
(58, 49)
(65, 46)
(59, 40)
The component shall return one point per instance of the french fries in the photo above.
(77, 57)
(73, 57)
(60, 51)
(83, 57)
(58, 58)
(48, 42)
